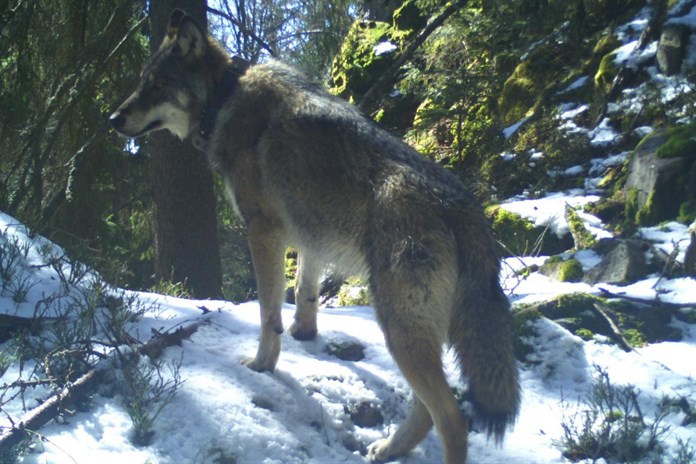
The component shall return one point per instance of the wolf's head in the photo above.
(175, 84)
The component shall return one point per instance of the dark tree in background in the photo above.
(64, 65)
(186, 238)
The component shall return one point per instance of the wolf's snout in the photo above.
(117, 120)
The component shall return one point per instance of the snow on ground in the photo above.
(224, 412)
(549, 211)
(296, 415)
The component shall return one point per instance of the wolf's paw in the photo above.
(255, 365)
(379, 451)
(302, 333)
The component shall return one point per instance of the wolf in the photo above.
(306, 169)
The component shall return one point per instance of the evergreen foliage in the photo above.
(64, 64)
(489, 80)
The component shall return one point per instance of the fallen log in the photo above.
(88, 382)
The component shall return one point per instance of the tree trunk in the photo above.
(187, 248)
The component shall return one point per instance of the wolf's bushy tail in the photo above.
(481, 333)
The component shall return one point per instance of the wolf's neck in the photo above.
(221, 92)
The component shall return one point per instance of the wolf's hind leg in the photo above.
(408, 435)
(268, 256)
(306, 298)
(412, 321)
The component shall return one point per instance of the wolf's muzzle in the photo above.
(118, 121)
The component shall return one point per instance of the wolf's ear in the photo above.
(190, 40)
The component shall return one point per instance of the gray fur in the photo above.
(308, 170)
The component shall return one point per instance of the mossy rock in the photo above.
(605, 44)
(610, 210)
(576, 313)
(582, 237)
(505, 62)
(519, 93)
(422, 136)
(638, 324)
(409, 18)
(607, 71)
(357, 67)
(536, 79)
(681, 142)
(632, 206)
(661, 179)
(643, 324)
(563, 270)
(572, 305)
(521, 238)
(571, 271)
(687, 212)
(524, 330)
(580, 93)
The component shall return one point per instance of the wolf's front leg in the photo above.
(306, 297)
(268, 255)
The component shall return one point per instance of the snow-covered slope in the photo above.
(225, 413)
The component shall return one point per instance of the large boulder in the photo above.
(662, 176)
(623, 264)
(671, 47)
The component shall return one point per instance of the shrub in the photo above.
(609, 424)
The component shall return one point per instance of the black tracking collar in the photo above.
(222, 92)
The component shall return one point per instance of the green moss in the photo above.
(647, 214)
(583, 238)
(353, 293)
(675, 199)
(634, 337)
(515, 232)
(564, 270)
(520, 237)
(585, 334)
(290, 271)
(687, 212)
(527, 271)
(356, 67)
(606, 73)
(605, 44)
(640, 325)
(641, 216)
(632, 207)
(571, 271)
(524, 329)
(519, 93)
(660, 205)
(409, 18)
(573, 304)
(681, 142)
